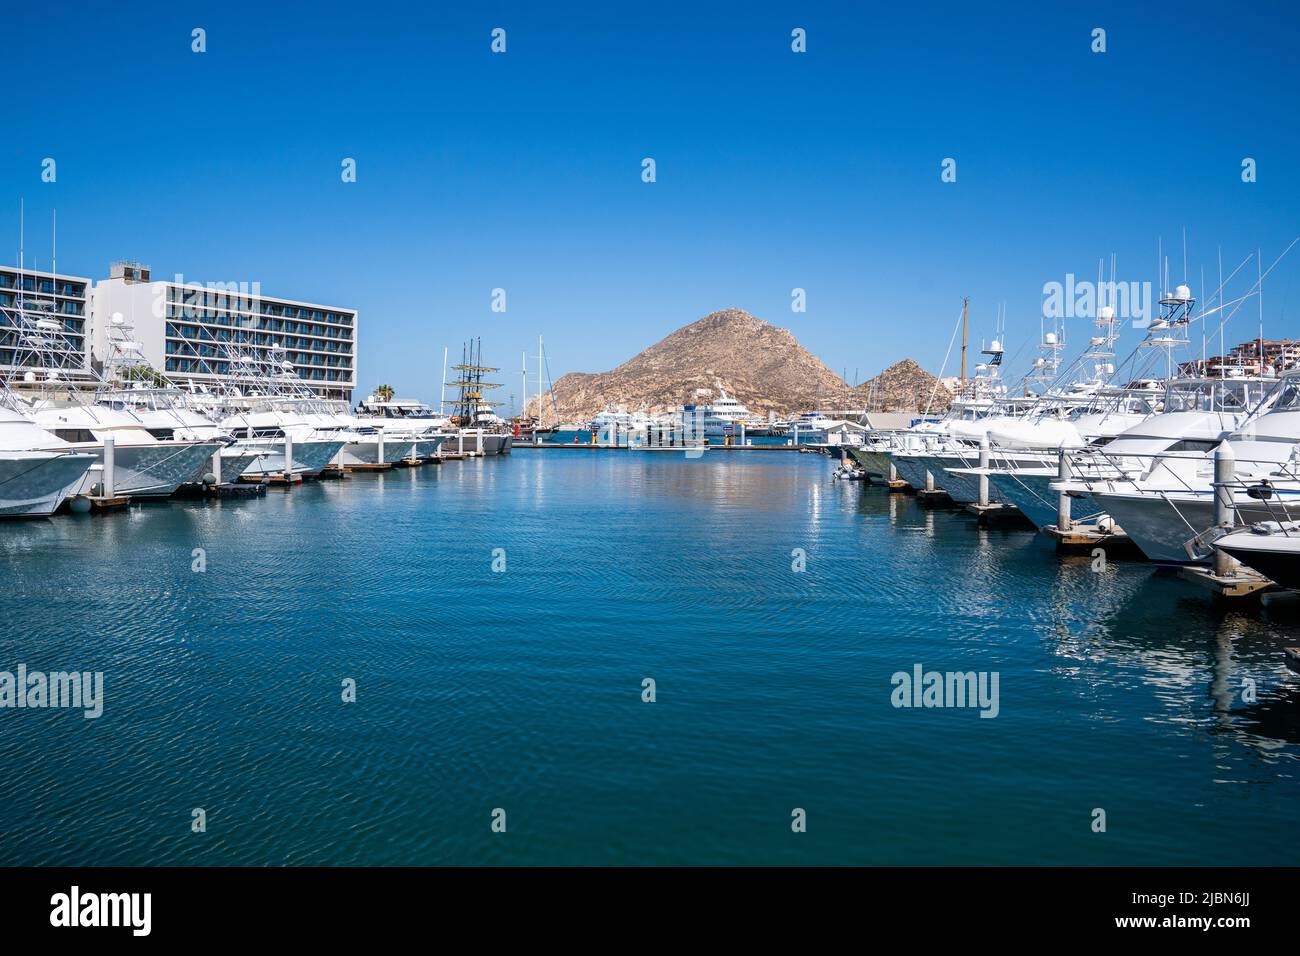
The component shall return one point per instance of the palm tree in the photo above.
(385, 393)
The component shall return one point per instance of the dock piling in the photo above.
(1225, 466)
(984, 470)
(1062, 500)
(110, 465)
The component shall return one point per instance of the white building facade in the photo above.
(191, 332)
(187, 331)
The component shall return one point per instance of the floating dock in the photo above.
(935, 497)
(996, 512)
(1242, 582)
(1087, 537)
(223, 490)
(95, 504)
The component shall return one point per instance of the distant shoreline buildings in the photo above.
(187, 330)
(1256, 357)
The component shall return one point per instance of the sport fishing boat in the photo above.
(1024, 464)
(1156, 478)
(264, 425)
(133, 385)
(168, 415)
(38, 471)
(144, 466)
(922, 454)
(405, 419)
(56, 401)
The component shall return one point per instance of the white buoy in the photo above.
(216, 467)
(379, 452)
(288, 457)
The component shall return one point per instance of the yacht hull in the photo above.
(493, 444)
(1161, 525)
(874, 463)
(1028, 489)
(367, 452)
(309, 457)
(911, 470)
(1277, 556)
(33, 484)
(428, 447)
(148, 471)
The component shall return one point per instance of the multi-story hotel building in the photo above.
(28, 297)
(187, 331)
(190, 332)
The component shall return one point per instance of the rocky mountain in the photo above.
(904, 386)
(762, 366)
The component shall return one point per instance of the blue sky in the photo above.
(775, 170)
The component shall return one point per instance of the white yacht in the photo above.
(263, 425)
(722, 417)
(922, 454)
(407, 420)
(37, 470)
(144, 466)
(168, 414)
(1155, 479)
(1270, 547)
(1024, 463)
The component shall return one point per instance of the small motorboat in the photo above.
(1270, 547)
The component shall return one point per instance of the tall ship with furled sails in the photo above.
(470, 412)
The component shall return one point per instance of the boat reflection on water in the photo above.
(1208, 665)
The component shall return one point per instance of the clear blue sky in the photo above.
(775, 170)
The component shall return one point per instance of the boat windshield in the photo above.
(1288, 399)
(1212, 396)
(157, 399)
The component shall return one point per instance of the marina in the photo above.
(1129, 676)
(584, 439)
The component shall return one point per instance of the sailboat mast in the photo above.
(964, 305)
(442, 395)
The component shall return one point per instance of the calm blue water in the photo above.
(522, 690)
